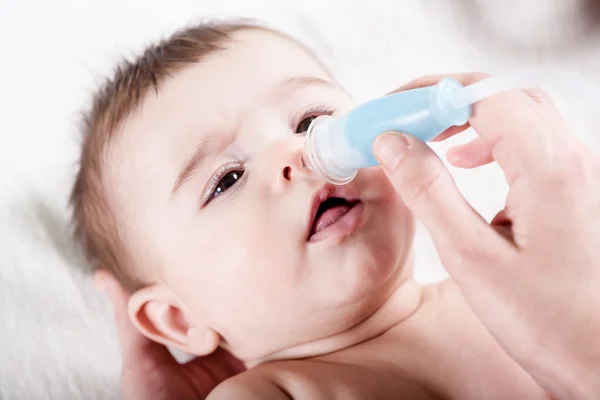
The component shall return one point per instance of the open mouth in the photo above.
(329, 212)
(328, 209)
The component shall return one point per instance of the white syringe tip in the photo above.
(324, 152)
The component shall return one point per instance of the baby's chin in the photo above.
(375, 261)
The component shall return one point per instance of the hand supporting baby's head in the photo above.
(193, 192)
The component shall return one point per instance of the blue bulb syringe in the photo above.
(336, 148)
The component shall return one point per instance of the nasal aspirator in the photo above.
(336, 148)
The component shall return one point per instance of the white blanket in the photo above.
(57, 338)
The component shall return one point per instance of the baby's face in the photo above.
(209, 181)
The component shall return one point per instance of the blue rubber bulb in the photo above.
(337, 148)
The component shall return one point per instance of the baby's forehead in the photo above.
(224, 83)
(247, 66)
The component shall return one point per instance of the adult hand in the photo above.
(149, 371)
(532, 275)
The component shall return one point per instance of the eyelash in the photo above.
(213, 183)
(311, 111)
(224, 170)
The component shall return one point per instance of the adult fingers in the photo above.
(448, 133)
(462, 237)
(520, 125)
(474, 154)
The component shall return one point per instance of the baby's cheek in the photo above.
(390, 212)
(270, 262)
(376, 184)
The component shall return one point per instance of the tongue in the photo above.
(329, 217)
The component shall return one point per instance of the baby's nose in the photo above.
(294, 166)
(291, 163)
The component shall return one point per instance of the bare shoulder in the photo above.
(313, 380)
(254, 384)
(283, 380)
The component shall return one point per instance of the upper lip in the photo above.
(326, 192)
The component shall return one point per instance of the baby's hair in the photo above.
(96, 223)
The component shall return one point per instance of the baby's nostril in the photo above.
(287, 173)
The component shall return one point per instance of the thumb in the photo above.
(427, 188)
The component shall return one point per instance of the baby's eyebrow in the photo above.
(296, 83)
(203, 149)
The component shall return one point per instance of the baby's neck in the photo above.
(404, 301)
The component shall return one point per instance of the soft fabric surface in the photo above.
(57, 338)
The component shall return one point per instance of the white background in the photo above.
(56, 336)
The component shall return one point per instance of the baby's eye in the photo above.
(305, 123)
(227, 181)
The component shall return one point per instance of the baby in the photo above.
(192, 190)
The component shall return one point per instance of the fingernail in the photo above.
(390, 148)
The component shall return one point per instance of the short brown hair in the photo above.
(96, 224)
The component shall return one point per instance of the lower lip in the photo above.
(343, 226)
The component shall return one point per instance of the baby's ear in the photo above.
(157, 314)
